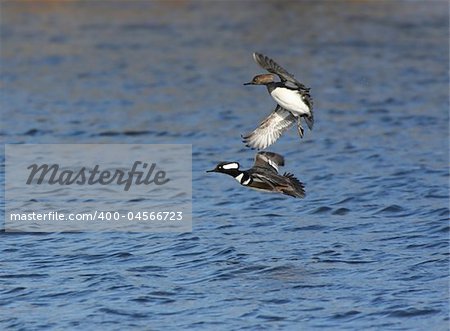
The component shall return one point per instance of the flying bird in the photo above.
(264, 175)
(293, 103)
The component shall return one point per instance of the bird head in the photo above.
(226, 167)
(262, 79)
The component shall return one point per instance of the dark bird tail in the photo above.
(309, 119)
(296, 189)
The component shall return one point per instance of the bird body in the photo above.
(291, 100)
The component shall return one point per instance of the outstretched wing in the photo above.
(274, 68)
(270, 129)
(269, 161)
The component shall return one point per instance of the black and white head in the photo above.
(230, 168)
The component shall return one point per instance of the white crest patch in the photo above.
(238, 178)
(232, 165)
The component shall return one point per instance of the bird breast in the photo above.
(290, 100)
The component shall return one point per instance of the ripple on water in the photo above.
(348, 314)
(314, 227)
(392, 209)
(321, 210)
(37, 132)
(122, 312)
(130, 133)
(411, 312)
(341, 211)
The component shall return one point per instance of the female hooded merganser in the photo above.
(264, 175)
(293, 102)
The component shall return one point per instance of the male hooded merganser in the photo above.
(264, 175)
(293, 102)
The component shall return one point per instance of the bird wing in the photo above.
(268, 161)
(267, 178)
(261, 183)
(298, 188)
(270, 129)
(271, 66)
(286, 184)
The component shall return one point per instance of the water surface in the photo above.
(366, 249)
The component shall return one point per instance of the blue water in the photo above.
(367, 249)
